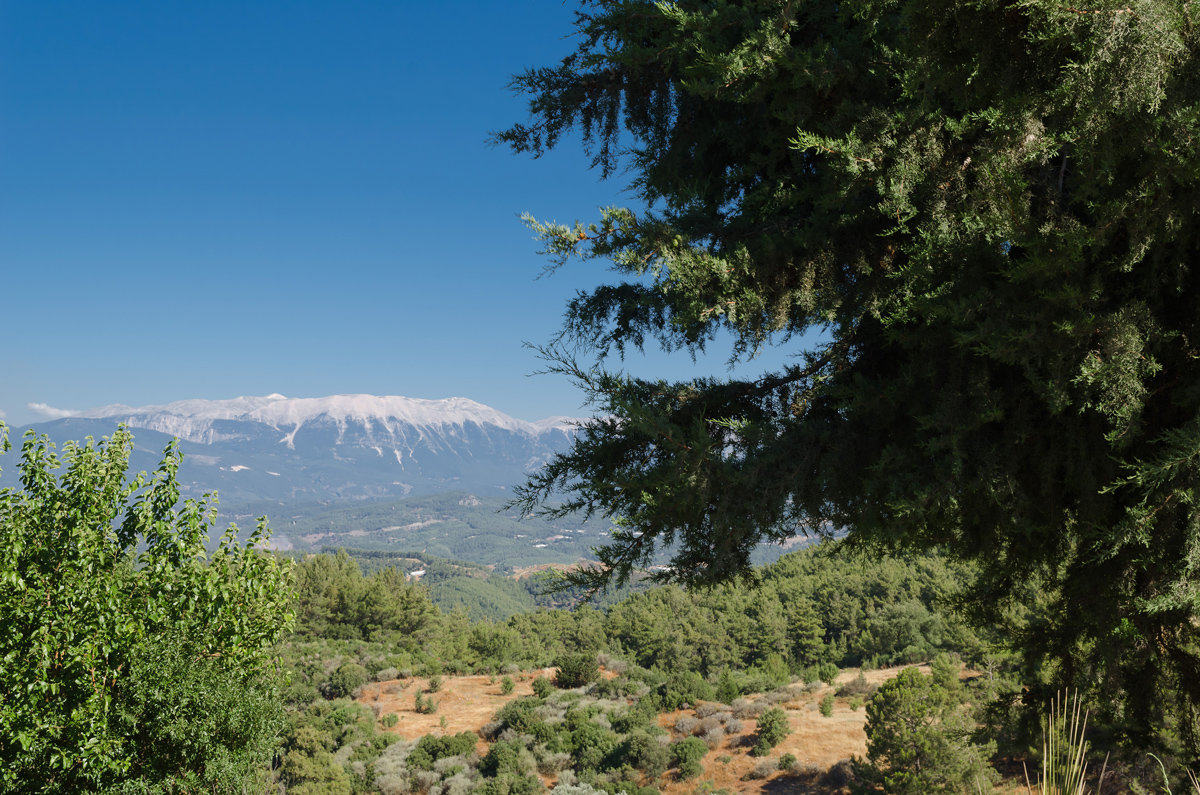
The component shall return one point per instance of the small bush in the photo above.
(763, 768)
(857, 686)
(425, 704)
(389, 720)
(686, 724)
(542, 687)
(787, 762)
(435, 683)
(386, 674)
(772, 728)
(506, 685)
(346, 679)
(713, 737)
(827, 705)
(690, 749)
(575, 670)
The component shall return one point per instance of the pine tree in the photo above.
(975, 226)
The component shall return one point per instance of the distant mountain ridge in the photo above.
(267, 453)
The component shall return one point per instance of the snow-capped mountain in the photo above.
(264, 454)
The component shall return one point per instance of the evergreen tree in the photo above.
(919, 741)
(986, 212)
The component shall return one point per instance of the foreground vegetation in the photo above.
(137, 662)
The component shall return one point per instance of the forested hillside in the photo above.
(814, 613)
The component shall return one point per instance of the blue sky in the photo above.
(219, 199)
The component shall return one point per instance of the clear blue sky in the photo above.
(218, 199)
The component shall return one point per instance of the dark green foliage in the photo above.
(431, 747)
(507, 685)
(326, 728)
(826, 705)
(542, 687)
(424, 704)
(686, 755)
(209, 727)
(576, 670)
(919, 740)
(787, 762)
(131, 657)
(503, 757)
(335, 600)
(519, 714)
(644, 751)
(727, 688)
(772, 728)
(591, 744)
(684, 687)
(986, 212)
(511, 784)
(346, 679)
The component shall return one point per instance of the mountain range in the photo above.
(292, 457)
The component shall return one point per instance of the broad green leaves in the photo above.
(105, 585)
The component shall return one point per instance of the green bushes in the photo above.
(431, 747)
(576, 670)
(686, 755)
(772, 728)
(346, 679)
(542, 687)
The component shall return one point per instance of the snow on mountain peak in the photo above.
(193, 419)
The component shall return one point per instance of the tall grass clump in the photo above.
(1064, 750)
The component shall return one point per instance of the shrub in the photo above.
(389, 720)
(772, 728)
(687, 687)
(435, 683)
(346, 679)
(686, 755)
(425, 704)
(763, 768)
(647, 754)
(686, 724)
(542, 687)
(787, 762)
(386, 674)
(506, 685)
(713, 737)
(827, 705)
(858, 686)
(727, 688)
(576, 670)
(827, 672)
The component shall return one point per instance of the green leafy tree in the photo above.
(919, 741)
(973, 223)
(131, 658)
